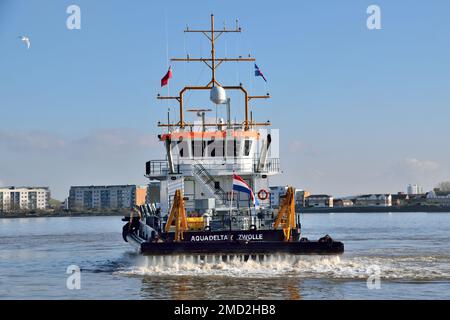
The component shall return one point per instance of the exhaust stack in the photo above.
(263, 157)
(169, 157)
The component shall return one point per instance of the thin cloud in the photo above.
(413, 170)
(421, 165)
(30, 141)
(301, 147)
(108, 139)
(110, 156)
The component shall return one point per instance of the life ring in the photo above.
(263, 194)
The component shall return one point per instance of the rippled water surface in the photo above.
(408, 252)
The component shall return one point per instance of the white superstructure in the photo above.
(202, 154)
(203, 164)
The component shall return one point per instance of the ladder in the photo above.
(204, 178)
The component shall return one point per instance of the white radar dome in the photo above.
(218, 95)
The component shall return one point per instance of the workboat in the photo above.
(214, 196)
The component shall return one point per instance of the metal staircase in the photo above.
(207, 181)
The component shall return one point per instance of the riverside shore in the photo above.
(354, 209)
(12, 215)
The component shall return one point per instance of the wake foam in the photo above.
(334, 267)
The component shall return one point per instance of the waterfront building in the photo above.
(374, 200)
(343, 203)
(300, 197)
(437, 197)
(417, 199)
(275, 193)
(414, 189)
(141, 195)
(13, 199)
(153, 191)
(106, 197)
(65, 204)
(320, 201)
(400, 199)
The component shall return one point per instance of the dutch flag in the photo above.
(241, 186)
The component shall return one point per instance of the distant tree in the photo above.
(444, 186)
(55, 204)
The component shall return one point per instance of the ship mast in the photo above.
(213, 63)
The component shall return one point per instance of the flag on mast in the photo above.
(258, 73)
(241, 186)
(165, 79)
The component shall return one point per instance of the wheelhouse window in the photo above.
(237, 147)
(214, 148)
(198, 148)
(233, 148)
(181, 148)
(247, 147)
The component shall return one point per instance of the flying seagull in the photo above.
(26, 40)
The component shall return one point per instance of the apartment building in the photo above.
(106, 197)
(153, 192)
(374, 200)
(24, 199)
(320, 201)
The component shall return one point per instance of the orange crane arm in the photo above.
(286, 214)
(177, 214)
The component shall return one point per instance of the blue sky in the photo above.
(359, 110)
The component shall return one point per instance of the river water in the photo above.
(387, 256)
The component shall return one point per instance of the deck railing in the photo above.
(161, 167)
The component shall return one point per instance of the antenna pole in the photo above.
(231, 204)
(168, 119)
(213, 53)
(213, 62)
